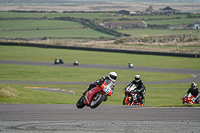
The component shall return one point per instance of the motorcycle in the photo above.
(60, 61)
(132, 96)
(130, 65)
(94, 97)
(189, 99)
(75, 63)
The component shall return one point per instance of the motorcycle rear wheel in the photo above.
(141, 103)
(80, 104)
(96, 101)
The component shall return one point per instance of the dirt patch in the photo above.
(8, 92)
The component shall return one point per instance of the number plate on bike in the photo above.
(107, 89)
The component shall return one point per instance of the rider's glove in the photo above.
(97, 82)
(103, 78)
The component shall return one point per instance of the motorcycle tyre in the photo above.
(143, 102)
(80, 104)
(125, 100)
(98, 102)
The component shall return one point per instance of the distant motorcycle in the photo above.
(75, 63)
(132, 95)
(130, 65)
(188, 100)
(56, 61)
(60, 61)
(96, 95)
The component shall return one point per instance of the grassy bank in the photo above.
(157, 94)
(162, 95)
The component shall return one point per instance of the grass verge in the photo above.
(156, 95)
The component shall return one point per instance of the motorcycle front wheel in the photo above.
(96, 101)
(127, 101)
(80, 104)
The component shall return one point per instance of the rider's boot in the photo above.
(88, 88)
(85, 92)
(142, 100)
(105, 99)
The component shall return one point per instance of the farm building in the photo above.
(169, 10)
(125, 24)
(122, 13)
(177, 27)
(196, 25)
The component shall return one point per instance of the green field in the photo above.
(55, 33)
(40, 24)
(156, 95)
(150, 32)
(57, 28)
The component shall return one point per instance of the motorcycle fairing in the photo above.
(106, 87)
(90, 95)
(188, 99)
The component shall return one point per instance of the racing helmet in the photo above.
(137, 78)
(193, 85)
(112, 76)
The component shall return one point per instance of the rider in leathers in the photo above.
(194, 91)
(112, 76)
(140, 87)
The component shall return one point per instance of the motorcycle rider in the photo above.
(140, 87)
(75, 62)
(194, 91)
(112, 76)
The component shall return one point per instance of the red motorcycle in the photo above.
(96, 95)
(132, 96)
(189, 99)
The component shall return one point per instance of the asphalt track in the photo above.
(46, 118)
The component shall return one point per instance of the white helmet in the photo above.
(112, 76)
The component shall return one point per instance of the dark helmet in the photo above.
(193, 85)
(137, 78)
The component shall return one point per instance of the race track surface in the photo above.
(60, 118)
(22, 118)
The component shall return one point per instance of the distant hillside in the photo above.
(71, 2)
(98, 5)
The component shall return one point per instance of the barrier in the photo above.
(101, 49)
